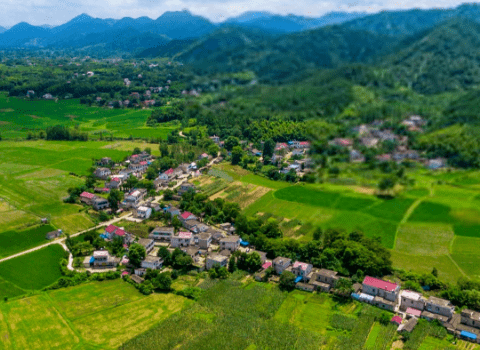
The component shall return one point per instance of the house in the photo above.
(195, 226)
(470, 318)
(105, 161)
(439, 309)
(87, 198)
(114, 183)
(185, 187)
(301, 269)
(148, 244)
(438, 163)
(215, 139)
(53, 234)
(186, 215)
(369, 142)
(203, 156)
(167, 175)
(324, 279)
(397, 320)
(280, 264)
(159, 184)
(140, 271)
(48, 97)
(101, 259)
(384, 158)
(143, 212)
(216, 260)
(140, 167)
(162, 233)
(173, 211)
(100, 203)
(409, 299)
(183, 239)
(342, 142)
(101, 190)
(113, 232)
(133, 198)
(385, 293)
(204, 240)
(30, 93)
(408, 326)
(109, 231)
(230, 243)
(356, 157)
(298, 152)
(102, 173)
(227, 227)
(305, 287)
(152, 262)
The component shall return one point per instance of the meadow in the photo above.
(97, 315)
(33, 271)
(19, 116)
(435, 223)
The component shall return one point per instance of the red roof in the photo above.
(305, 143)
(414, 312)
(120, 232)
(105, 189)
(111, 228)
(185, 234)
(134, 156)
(303, 266)
(124, 273)
(380, 284)
(266, 265)
(116, 179)
(397, 319)
(169, 171)
(143, 163)
(186, 214)
(87, 195)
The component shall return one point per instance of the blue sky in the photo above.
(56, 12)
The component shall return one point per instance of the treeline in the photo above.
(63, 133)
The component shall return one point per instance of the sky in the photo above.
(55, 12)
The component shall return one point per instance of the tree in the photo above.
(344, 286)
(164, 253)
(291, 176)
(253, 262)
(213, 150)
(164, 149)
(435, 272)
(232, 266)
(176, 222)
(268, 148)
(317, 234)
(168, 194)
(287, 281)
(386, 184)
(114, 197)
(136, 254)
(163, 282)
(237, 154)
(231, 142)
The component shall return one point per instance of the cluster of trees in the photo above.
(63, 133)
(178, 259)
(155, 281)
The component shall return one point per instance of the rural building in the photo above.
(100, 203)
(167, 175)
(263, 256)
(101, 259)
(186, 216)
(305, 287)
(204, 240)
(137, 279)
(148, 244)
(114, 183)
(409, 299)
(102, 173)
(324, 279)
(384, 289)
(143, 212)
(438, 309)
(140, 271)
(185, 187)
(216, 260)
(162, 233)
(105, 161)
(230, 243)
(87, 198)
(152, 262)
(470, 318)
(140, 167)
(280, 264)
(183, 239)
(53, 234)
(173, 211)
(301, 269)
(133, 198)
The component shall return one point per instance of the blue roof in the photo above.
(244, 243)
(468, 335)
(298, 279)
(355, 296)
(104, 236)
(92, 260)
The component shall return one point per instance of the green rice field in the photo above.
(17, 241)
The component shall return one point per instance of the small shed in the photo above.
(397, 320)
(468, 336)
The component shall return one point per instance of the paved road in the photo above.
(62, 240)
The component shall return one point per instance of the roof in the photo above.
(100, 253)
(144, 163)
(184, 235)
(329, 273)
(468, 335)
(217, 257)
(281, 260)
(303, 266)
(137, 279)
(266, 265)
(411, 295)
(232, 239)
(111, 229)
(204, 235)
(164, 229)
(410, 325)
(380, 284)
(120, 232)
(145, 241)
(152, 259)
(298, 279)
(439, 301)
(87, 195)
(396, 319)
(186, 214)
(414, 312)
(169, 172)
(142, 209)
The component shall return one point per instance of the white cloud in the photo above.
(60, 11)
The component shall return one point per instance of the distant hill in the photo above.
(2, 29)
(168, 49)
(444, 58)
(23, 34)
(180, 25)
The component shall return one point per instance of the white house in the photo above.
(143, 212)
(148, 244)
(216, 260)
(102, 173)
(230, 243)
(183, 239)
(152, 262)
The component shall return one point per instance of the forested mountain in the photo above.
(2, 29)
(442, 59)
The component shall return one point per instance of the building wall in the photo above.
(437, 309)
(416, 304)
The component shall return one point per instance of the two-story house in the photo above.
(101, 259)
(143, 212)
(87, 198)
(204, 240)
(102, 173)
(230, 243)
(186, 216)
(100, 203)
(438, 309)
(414, 300)
(152, 262)
(385, 293)
(182, 239)
(140, 167)
(301, 269)
(133, 198)
(280, 264)
(324, 279)
(216, 260)
(148, 244)
(114, 183)
(162, 233)
(470, 318)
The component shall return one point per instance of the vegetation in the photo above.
(16, 241)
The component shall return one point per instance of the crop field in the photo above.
(18, 116)
(103, 315)
(35, 270)
(16, 241)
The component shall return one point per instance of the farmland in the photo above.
(433, 224)
(102, 316)
(17, 117)
(17, 241)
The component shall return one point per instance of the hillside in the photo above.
(444, 58)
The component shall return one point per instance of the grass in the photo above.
(9, 290)
(35, 270)
(465, 252)
(424, 239)
(97, 315)
(12, 242)
(431, 212)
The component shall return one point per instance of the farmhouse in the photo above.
(385, 293)
(204, 240)
(148, 244)
(87, 198)
(173, 211)
(162, 233)
(470, 318)
(280, 264)
(152, 262)
(137, 279)
(186, 215)
(183, 239)
(53, 234)
(143, 212)
(100, 203)
(140, 167)
(438, 309)
(101, 259)
(134, 197)
(301, 269)
(409, 299)
(216, 260)
(324, 279)
(230, 243)
(114, 183)
(105, 161)
(167, 175)
(102, 173)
